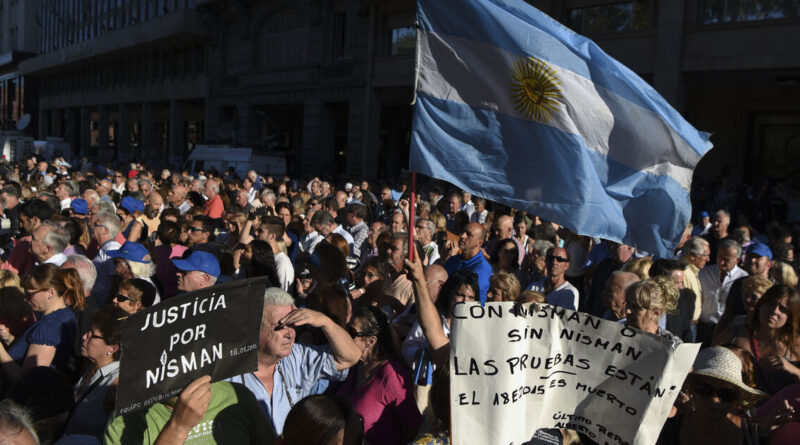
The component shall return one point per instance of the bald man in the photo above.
(614, 294)
(471, 258)
(503, 230)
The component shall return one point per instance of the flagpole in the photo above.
(411, 212)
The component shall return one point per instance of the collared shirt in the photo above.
(183, 208)
(304, 366)
(360, 233)
(310, 241)
(565, 296)
(715, 291)
(90, 417)
(65, 203)
(105, 271)
(347, 236)
(691, 281)
(214, 208)
(57, 259)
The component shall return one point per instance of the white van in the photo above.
(242, 159)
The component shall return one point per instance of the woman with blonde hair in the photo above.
(783, 273)
(647, 300)
(640, 266)
(9, 279)
(503, 286)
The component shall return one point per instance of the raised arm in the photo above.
(188, 412)
(345, 352)
(427, 314)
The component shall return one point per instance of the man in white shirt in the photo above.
(715, 281)
(48, 242)
(325, 224)
(423, 230)
(104, 230)
(555, 287)
(311, 237)
(271, 230)
(65, 192)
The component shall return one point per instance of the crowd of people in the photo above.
(354, 340)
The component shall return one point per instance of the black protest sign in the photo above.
(211, 331)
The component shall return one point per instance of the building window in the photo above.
(282, 39)
(731, 11)
(637, 15)
(402, 40)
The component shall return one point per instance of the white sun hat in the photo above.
(721, 363)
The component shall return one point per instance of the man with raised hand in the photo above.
(287, 371)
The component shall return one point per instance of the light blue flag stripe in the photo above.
(613, 159)
(608, 123)
(521, 29)
(518, 165)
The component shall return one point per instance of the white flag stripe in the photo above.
(480, 75)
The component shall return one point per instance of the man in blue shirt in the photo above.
(287, 371)
(471, 257)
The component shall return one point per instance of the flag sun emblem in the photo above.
(535, 90)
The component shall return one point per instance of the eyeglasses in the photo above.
(725, 394)
(93, 335)
(122, 298)
(353, 333)
(557, 258)
(195, 229)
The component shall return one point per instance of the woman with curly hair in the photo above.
(647, 300)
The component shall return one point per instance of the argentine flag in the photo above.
(514, 107)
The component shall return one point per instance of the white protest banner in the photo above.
(517, 369)
(211, 331)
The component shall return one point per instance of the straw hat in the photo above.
(721, 363)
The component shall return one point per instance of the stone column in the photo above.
(146, 131)
(177, 136)
(123, 136)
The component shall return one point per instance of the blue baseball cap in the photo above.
(132, 204)
(759, 249)
(704, 214)
(79, 206)
(199, 260)
(131, 251)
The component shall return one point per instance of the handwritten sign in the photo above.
(212, 331)
(517, 369)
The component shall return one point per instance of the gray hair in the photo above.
(322, 217)
(14, 419)
(541, 246)
(110, 221)
(276, 296)
(730, 244)
(695, 246)
(56, 237)
(93, 194)
(428, 224)
(142, 270)
(86, 270)
(214, 185)
(268, 193)
(404, 237)
(71, 188)
(105, 206)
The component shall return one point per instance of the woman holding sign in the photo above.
(51, 339)
(380, 387)
(101, 346)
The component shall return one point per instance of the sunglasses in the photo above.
(122, 298)
(557, 258)
(353, 333)
(195, 229)
(725, 394)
